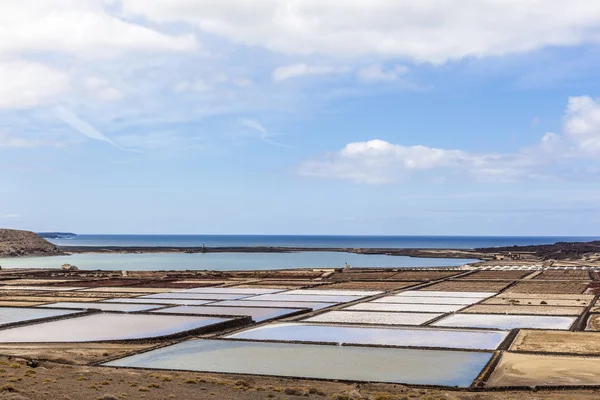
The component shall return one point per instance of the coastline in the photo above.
(417, 253)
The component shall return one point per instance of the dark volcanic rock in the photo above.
(556, 251)
(14, 243)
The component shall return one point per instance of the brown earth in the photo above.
(548, 287)
(469, 286)
(78, 382)
(523, 310)
(593, 323)
(536, 370)
(14, 243)
(539, 302)
(566, 274)
(557, 342)
(497, 275)
(383, 285)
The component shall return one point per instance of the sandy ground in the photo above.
(469, 286)
(70, 353)
(557, 342)
(371, 285)
(523, 309)
(50, 299)
(546, 296)
(565, 274)
(535, 370)
(497, 275)
(74, 382)
(593, 323)
(546, 301)
(548, 287)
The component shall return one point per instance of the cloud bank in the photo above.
(555, 156)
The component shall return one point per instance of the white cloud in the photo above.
(26, 84)
(13, 141)
(196, 85)
(84, 28)
(10, 216)
(300, 70)
(101, 89)
(421, 30)
(582, 124)
(375, 73)
(377, 161)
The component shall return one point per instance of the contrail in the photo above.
(265, 136)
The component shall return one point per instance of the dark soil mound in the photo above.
(14, 243)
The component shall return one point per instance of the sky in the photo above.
(379, 117)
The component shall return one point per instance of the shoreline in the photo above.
(416, 253)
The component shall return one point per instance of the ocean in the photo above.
(455, 242)
(265, 261)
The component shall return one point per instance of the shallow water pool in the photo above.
(378, 318)
(256, 313)
(433, 308)
(413, 337)
(105, 326)
(11, 315)
(408, 366)
(507, 322)
(104, 306)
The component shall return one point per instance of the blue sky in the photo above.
(301, 117)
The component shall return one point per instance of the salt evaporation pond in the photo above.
(410, 337)
(181, 302)
(257, 314)
(42, 288)
(334, 292)
(378, 318)
(437, 293)
(11, 315)
(194, 296)
(434, 308)
(305, 297)
(278, 304)
(370, 364)
(246, 291)
(427, 300)
(105, 326)
(104, 306)
(507, 322)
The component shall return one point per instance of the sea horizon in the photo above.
(318, 241)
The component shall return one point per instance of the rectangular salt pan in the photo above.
(305, 297)
(227, 290)
(181, 302)
(194, 296)
(378, 318)
(432, 308)
(128, 289)
(257, 314)
(43, 288)
(427, 300)
(370, 364)
(11, 315)
(104, 306)
(277, 304)
(507, 322)
(334, 292)
(436, 293)
(106, 326)
(411, 337)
